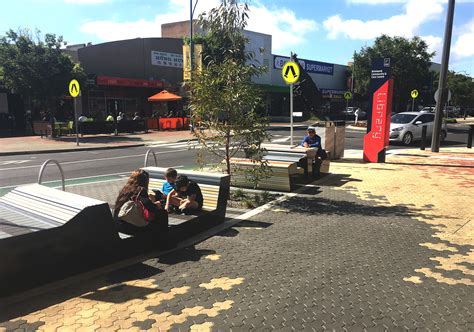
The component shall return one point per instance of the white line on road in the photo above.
(82, 178)
(91, 160)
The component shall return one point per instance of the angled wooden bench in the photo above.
(47, 234)
(277, 149)
(280, 178)
(215, 189)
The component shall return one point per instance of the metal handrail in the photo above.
(40, 176)
(154, 157)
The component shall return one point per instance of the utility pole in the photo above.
(352, 78)
(291, 107)
(443, 91)
(191, 14)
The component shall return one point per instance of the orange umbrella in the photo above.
(164, 96)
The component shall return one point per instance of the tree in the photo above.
(36, 69)
(409, 66)
(462, 88)
(223, 98)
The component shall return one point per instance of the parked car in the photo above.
(406, 127)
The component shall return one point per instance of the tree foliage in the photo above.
(410, 66)
(223, 38)
(223, 99)
(462, 88)
(36, 68)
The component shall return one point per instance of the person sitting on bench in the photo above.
(134, 195)
(187, 196)
(312, 140)
(170, 176)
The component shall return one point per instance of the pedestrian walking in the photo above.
(356, 114)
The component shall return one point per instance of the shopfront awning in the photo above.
(164, 96)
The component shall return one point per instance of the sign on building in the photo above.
(309, 66)
(165, 59)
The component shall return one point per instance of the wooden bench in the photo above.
(215, 189)
(47, 234)
(310, 153)
(280, 177)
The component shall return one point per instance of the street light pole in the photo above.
(443, 78)
(191, 14)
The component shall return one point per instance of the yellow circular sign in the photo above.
(414, 93)
(290, 72)
(74, 88)
(347, 95)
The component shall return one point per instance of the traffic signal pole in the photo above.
(443, 91)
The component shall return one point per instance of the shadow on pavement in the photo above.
(325, 206)
(189, 254)
(337, 180)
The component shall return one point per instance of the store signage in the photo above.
(131, 82)
(309, 66)
(378, 118)
(166, 59)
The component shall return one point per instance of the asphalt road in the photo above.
(107, 165)
(457, 136)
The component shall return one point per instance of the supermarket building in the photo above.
(123, 74)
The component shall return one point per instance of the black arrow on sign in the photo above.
(292, 71)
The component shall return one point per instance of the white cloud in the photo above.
(416, 13)
(376, 2)
(286, 29)
(86, 2)
(463, 46)
(435, 44)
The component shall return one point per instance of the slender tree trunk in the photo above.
(227, 153)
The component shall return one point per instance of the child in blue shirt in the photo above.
(169, 185)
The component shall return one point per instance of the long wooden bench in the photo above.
(215, 188)
(280, 177)
(47, 234)
(274, 149)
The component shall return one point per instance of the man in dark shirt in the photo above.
(187, 196)
(312, 140)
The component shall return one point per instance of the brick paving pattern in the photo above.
(374, 247)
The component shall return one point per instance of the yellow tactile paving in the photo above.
(436, 188)
(85, 313)
(214, 257)
(222, 283)
(204, 327)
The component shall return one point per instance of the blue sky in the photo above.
(315, 29)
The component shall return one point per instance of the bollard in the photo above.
(423, 137)
(469, 136)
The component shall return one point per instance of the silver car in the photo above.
(406, 127)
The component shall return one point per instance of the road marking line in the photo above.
(91, 160)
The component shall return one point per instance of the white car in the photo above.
(406, 127)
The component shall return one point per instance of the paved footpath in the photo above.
(373, 247)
